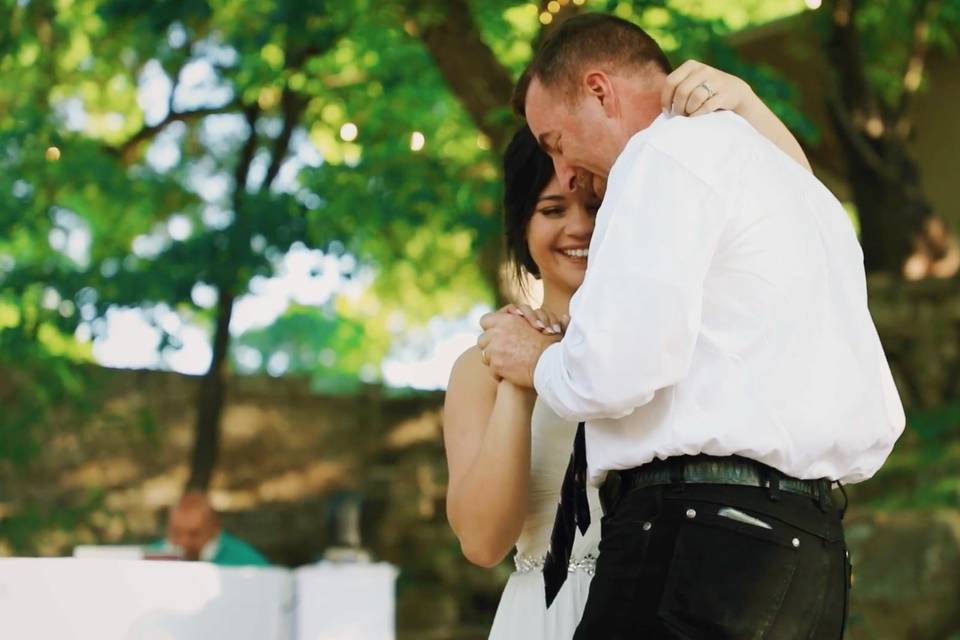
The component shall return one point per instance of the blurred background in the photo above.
(243, 241)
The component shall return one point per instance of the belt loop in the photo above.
(610, 492)
(676, 466)
(823, 495)
(773, 484)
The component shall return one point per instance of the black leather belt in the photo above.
(730, 470)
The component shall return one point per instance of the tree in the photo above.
(878, 53)
(206, 185)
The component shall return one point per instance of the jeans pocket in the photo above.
(727, 578)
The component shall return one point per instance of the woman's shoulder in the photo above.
(470, 371)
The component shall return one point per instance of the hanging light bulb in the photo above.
(417, 141)
(348, 132)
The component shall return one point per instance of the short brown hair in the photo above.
(589, 38)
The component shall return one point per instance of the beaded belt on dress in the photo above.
(525, 564)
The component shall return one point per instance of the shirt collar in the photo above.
(625, 159)
(638, 138)
(209, 551)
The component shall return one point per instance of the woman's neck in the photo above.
(556, 300)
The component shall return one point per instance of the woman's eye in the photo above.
(552, 211)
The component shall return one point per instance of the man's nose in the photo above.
(566, 175)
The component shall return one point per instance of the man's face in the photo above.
(576, 132)
(190, 529)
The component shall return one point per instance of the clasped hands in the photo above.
(513, 339)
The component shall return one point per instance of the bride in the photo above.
(507, 452)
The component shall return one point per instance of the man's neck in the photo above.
(645, 110)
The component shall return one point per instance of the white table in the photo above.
(99, 599)
(345, 601)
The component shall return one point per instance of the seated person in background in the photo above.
(194, 532)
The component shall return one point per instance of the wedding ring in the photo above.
(483, 357)
(710, 92)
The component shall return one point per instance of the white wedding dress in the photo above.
(522, 613)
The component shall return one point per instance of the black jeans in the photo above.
(716, 562)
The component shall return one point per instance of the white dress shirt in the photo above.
(724, 311)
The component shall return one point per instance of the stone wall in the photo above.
(289, 459)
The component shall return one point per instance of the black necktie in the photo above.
(573, 512)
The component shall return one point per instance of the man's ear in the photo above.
(599, 86)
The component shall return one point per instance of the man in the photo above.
(720, 351)
(194, 530)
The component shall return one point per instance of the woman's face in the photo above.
(559, 232)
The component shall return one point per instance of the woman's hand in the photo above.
(695, 88)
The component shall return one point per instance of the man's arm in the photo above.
(636, 318)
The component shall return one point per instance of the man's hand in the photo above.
(510, 347)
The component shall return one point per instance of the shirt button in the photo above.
(647, 526)
(691, 513)
(796, 542)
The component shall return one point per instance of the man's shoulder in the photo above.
(716, 148)
(712, 134)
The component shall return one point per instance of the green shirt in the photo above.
(233, 551)
(230, 551)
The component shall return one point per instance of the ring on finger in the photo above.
(483, 358)
(710, 91)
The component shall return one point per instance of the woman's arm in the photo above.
(685, 94)
(486, 432)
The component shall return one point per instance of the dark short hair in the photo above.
(526, 172)
(589, 38)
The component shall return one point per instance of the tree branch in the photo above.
(926, 12)
(856, 142)
(247, 152)
(292, 107)
(148, 132)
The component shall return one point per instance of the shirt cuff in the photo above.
(544, 372)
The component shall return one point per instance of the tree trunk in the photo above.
(890, 203)
(483, 86)
(210, 400)
(884, 179)
(469, 66)
(212, 392)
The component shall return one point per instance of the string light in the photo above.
(814, 4)
(579, 2)
(417, 140)
(483, 142)
(553, 6)
(348, 132)
(53, 154)
(546, 17)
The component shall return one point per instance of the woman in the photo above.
(506, 452)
